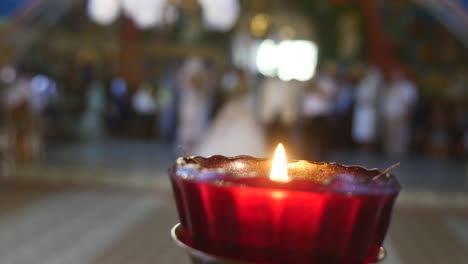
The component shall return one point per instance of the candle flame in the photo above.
(279, 168)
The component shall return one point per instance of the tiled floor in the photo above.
(428, 236)
(68, 226)
(97, 225)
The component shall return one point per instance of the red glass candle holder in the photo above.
(326, 213)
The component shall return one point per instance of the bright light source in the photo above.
(8, 74)
(259, 24)
(220, 15)
(103, 12)
(267, 60)
(143, 102)
(290, 59)
(297, 59)
(148, 19)
(145, 13)
(40, 83)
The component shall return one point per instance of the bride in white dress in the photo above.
(235, 130)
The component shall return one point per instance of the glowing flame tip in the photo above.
(279, 167)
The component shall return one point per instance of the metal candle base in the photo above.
(197, 256)
(200, 257)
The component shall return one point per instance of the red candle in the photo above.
(307, 213)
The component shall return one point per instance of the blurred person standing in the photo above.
(457, 93)
(145, 107)
(7, 159)
(235, 130)
(17, 97)
(166, 100)
(91, 126)
(439, 133)
(279, 110)
(25, 121)
(364, 128)
(7, 151)
(117, 111)
(399, 101)
(460, 129)
(317, 108)
(344, 105)
(193, 107)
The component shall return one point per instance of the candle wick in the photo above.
(186, 154)
(386, 171)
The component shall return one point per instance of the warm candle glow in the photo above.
(279, 168)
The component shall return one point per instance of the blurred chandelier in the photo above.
(218, 15)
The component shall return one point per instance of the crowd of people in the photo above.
(366, 110)
(361, 109)
(238, 112)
